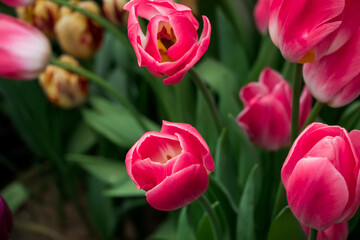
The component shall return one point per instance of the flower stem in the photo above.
(208, 97)
(102, 83)
(99, 19)
(313, 234)
(296, 103)
(212, 216)
(314, 113)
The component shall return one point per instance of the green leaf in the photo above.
(81, 140)
(184, 230)
(285, 226)
(109, 171)
(245, 219)
(350, 119)
(204, 229)
(167, 230)
(101, 209)
(15, 195)
(124, 189)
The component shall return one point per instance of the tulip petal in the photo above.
(251, 92)
(261, 14)
(305, 106)
(316, 188)
(179, 189)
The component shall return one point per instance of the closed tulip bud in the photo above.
(62, 87)
(172, 165)
(321, 175)
(113, 10)
(24, 50)
(42, 15)
(6, 223)
(266, 117)
(78, 35)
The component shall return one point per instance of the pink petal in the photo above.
(305, 106)
(252, 91)
(328, 76)
(317, 193)
(261, 14)
(18, 3)
(348, 94)
(335, 232)
(271, 78)
(179, 189)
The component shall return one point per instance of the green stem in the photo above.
(102, 83)
(296, 103)
(208, 97)
(212, 216)
(280, 200)
(313, 114)
(99, 19)
(313, 234)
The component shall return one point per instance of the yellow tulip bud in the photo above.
(62, 87)
(114, 11)
(42, 15)
(78, 35)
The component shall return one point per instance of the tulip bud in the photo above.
(78, 35)
(62, 87)
(6, 223)
(42, 15)
(25, 51)
(114, 11)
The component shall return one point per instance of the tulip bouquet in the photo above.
(197, 119)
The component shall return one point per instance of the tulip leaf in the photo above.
(15, 195)
(109, 171)
(184, 230)
(245, 222)
(285, 226)
(125, 188)
(204, 229)
(167, 230)
(350, 119)
(115, 123)
(82, 139)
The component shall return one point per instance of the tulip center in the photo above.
(165, 39)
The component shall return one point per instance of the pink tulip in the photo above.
(6, 223)
(261, 15)
(266, 117)
(306, 30)
(25, 51)
(335, 232)
(18, 3)
(335, 79)
(321, 175)
(172, 166)
(170, 46)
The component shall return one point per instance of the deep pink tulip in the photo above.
(171, 165)
(321, 175)
(171, 45)
(261, 15)
(306, 30)
(18, 3)
(6, 223)
(335, 79)
(24, 50)
(335, 232)
(266, 117)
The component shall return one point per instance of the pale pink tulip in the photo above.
(170, 46)
(335, 79)
(261, 15)
(171, 165)
(18, 3)
(306, 30)
(321, 175)
(25, 51)
(266, 117)
(335, 232)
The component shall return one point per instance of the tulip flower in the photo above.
(171, 46)
(77, 34)
(42, 14)
(266, 117)
(335, 232)
(335, 79)
(261, 15)
(18, 3)
(25, 51)
(6, 223)
(307, 30)
(172, 166)
(63, 88)
(114, 11)
(321, 175)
